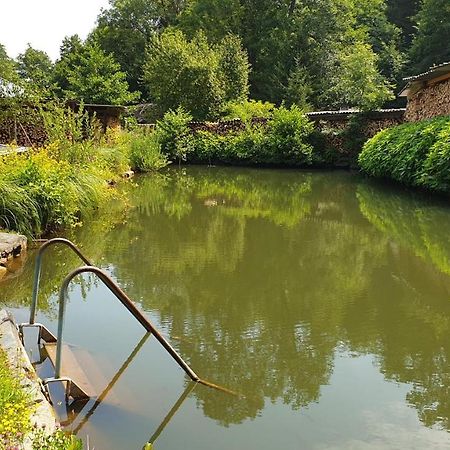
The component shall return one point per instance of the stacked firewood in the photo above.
(430, 102)
(224, 127)
(23, 134)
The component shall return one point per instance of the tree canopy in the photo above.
(431, 44)
(195, 74)
(35, 68)
(85, 72)
(316, 54)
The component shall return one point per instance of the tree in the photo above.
(358, 81)
(216, 18)
(431, 44)
(194, 74)
(125, 28)
(8, 75)
(267, 34)
(383, 36)
(35, 68)
(86, 73)
(402, 14)
(234, 66)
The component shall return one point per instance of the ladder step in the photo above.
(95, 368)
(70, 368)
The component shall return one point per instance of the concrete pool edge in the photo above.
(43, 417)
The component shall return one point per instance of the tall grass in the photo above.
(58, 186)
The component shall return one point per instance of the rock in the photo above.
(12, 244)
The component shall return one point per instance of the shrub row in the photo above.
(284, 140)
(415, 154)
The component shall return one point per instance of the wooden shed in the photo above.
(108, 115)
(428, 94)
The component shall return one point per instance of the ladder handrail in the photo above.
(126, 301)
(118, 292)
(38, 265)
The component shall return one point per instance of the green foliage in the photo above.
(293, 47)
(15, 410)
(401, 13)
(234, 68)
(7, 71)
(71, 132)
(430, 45)
(299, 90)
(58, 194)
(193, 74)
(59, 440)
(18, 210)
(217, 18)
(416, 154)
(284, 140)
(85, 72)
(35, 68)
(358, 81)
(287, 136)
(174, 135)
(124, 29)
(143, 150)
(247, 110)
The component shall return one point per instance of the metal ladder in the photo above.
(72, 389)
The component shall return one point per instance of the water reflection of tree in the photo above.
(416, 349)
(225, 283)
(263, 274)
(418, 225)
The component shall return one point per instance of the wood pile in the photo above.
(224, 127)
(23, 134)
(431, 101)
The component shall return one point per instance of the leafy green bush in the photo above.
(42, 193)
(247, 110)
(174, 134)
(415, 154)
(284, 140)
(287, 137)
(145, 152)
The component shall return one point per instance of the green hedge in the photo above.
(415, 154)
(284, 140)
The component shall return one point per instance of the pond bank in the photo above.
(42, 416)
(12, 246)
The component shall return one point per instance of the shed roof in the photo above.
(415, 82)
(343, 114)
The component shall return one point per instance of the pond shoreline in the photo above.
(42, 415)
(12, 246)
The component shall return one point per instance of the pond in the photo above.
(322, 298)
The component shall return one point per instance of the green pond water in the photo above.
(321, 297)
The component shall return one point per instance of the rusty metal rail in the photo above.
(117, 291)
(129, 305)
